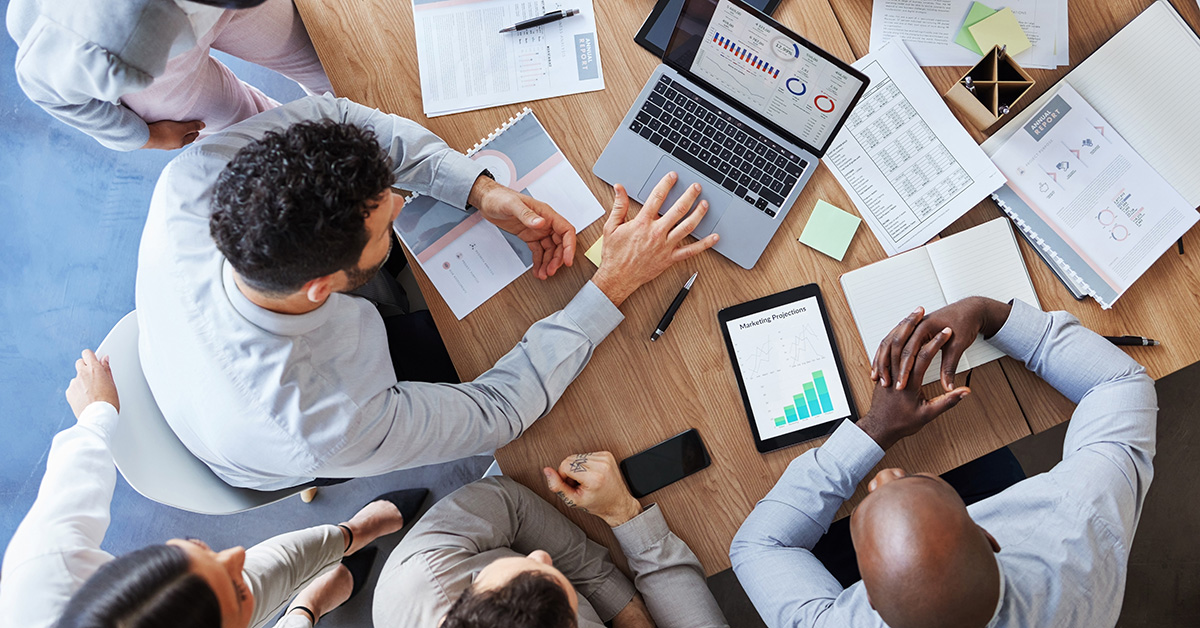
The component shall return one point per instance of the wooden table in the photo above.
(634, 394)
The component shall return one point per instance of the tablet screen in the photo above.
(789, 369)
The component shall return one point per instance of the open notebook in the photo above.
(981, 261)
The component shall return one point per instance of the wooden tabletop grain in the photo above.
(634, 394)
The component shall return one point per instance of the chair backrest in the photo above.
(149, 454)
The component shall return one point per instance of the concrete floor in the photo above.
(1163, 589)
(73, 214)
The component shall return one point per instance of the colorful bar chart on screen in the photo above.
(813, 402)
(745, 55)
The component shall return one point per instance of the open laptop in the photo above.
(741, 105)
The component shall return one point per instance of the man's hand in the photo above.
(93, 382)
(893, 364)
(550, 237)
(593, 483)
(169, 134)
(640, 249)
(897, 412)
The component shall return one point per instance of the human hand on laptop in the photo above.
(550, 237)
(639, 249)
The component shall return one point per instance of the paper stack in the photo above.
(959, 32)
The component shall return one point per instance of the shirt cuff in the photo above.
(454, 178)
(101, 416)
(852, 450)
(643, 531)
(594, 313)
(1021, 334)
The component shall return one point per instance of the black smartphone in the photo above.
(667, 462)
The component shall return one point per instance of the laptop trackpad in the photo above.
(717, 199)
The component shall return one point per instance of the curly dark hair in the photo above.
(150, 588)
(291, 206)
(533, 599)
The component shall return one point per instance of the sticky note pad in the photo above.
(1000, 29)
(829, 230)
(974, 16)
(596, 252)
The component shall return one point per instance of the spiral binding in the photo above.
(1062, 264)
(485, 141)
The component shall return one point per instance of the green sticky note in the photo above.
(974, 16)
(829, 230)
(1000, 29)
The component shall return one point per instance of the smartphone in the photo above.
(667, 462)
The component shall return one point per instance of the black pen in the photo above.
(552, 16)
(670, 315)
(1131, 341)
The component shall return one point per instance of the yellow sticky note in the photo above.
(829, 230)
(1000, 29)
(596, 252)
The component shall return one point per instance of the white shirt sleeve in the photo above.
(57, 546)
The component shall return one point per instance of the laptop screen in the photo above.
(765, 70)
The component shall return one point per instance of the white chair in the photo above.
(149, 454)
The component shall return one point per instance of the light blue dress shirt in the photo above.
(272, 400)
(1064, 535)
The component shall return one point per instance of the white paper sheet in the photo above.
(466, 63)
(908, 165)
(929, 28)
(1097, 193)
(469, 259)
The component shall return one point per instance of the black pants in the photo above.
(975, 481)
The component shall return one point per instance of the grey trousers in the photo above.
(279, 567)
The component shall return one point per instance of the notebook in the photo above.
(981, 261)
(1133, 83)
(469, 259)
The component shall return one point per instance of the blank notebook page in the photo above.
(983, 261)
(882, 294)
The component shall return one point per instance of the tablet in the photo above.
(788, 367)
(656, 31)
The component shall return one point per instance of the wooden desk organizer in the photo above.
(998, 84)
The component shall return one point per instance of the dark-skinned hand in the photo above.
(894, 360)
(899, 412)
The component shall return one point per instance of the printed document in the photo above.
(466, 63)
(469, 259)
(908, 165)
(1100, 196)
(929, 27)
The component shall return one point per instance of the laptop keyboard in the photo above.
(719, 146)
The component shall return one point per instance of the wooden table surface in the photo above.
(634, 394)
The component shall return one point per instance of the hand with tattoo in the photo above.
(592, 482)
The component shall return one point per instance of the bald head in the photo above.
(923, 560)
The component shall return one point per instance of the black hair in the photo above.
(150, 588)
(291, 207)
(531, 600)
(232, 4)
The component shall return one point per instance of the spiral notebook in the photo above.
(1132, 84)
(469, 259)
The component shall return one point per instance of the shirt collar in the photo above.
(1000, 602)
(273, 322)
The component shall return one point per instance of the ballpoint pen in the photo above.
(552, 16)
(1131, 341)
(670, 315)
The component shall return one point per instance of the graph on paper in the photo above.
(788, 369)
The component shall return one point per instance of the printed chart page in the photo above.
(466, 63)
(761, 66)
(469, 259)
(905, 161)
(929, 29)
(788, 368)
(1102, 198)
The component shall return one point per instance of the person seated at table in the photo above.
(495, 555)
(56, 574)
(274, 376)
(139, 73)
(1051, 550)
